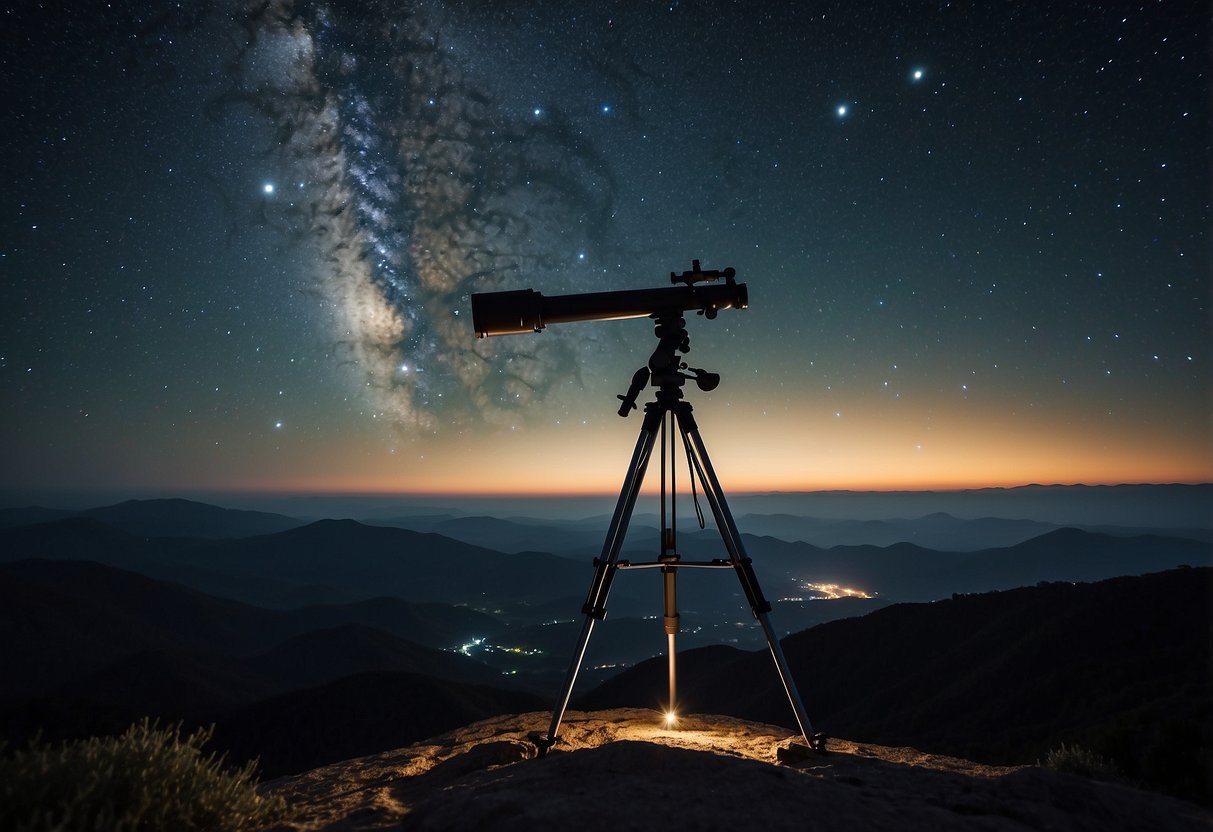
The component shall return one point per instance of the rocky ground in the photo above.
(624, 769)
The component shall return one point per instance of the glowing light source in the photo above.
(268, 187)
(670, 718)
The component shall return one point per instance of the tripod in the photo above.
(668, 373)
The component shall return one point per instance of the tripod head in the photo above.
(666, 369)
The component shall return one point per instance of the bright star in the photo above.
(606, 108)
(842, 110)
(268, 187)
(278, 425)
(538, 112)
(917, 76)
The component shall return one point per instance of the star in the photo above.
(917, 75)
(842, 110)
(268, 187)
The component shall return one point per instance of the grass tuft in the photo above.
(145, 780)
(1075, 759)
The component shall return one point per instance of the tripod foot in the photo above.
(542, 743)
(796, 751)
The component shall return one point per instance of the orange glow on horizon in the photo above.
(950, 457)
(752, 452)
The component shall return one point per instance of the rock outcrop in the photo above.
(624, 769)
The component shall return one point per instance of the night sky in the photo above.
(237, 242)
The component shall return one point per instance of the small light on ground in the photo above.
(670, 718)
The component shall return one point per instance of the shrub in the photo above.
(147, 779)
(1075, 759)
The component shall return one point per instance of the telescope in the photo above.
(668, 418)
(525, 310)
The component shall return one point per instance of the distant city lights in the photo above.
(832, 591)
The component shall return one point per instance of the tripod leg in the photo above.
(595, 602)
(745, 570)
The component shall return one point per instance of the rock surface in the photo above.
(624, 769)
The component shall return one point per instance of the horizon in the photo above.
(1140, 505)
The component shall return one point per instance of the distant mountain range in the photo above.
(1154, 506)
(342, 561)
(938, 530)
(305, 641)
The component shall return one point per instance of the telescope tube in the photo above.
(525, 310)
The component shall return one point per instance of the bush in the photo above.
(147, 779)
(1075, 759)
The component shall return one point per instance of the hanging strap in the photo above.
(692, 468)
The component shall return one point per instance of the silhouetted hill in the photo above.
(61, 621)
(938, 530)
(330, 561)
(78, 538)
(162, 518)
(1122, 666)
(431, 624)
(370, 561)
(196, 686)
(171, 685)
(907, 572)
(1072, 555)
(1168, 505)
(65, 619)
(160, 684)
(321, 656)
(88, 539)
(29, 515)
(186, 518)
(358, 715)
(504, 535)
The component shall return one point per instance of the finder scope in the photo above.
(525, 310)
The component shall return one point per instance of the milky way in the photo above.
(420, 191)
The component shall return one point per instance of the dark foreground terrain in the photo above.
(624, 769)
